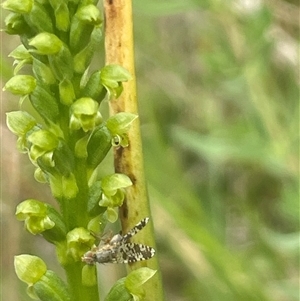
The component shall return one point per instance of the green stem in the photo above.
(80, 292)
(119, 50)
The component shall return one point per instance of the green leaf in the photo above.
(98, 146)
(135, 279)
(45, 103)
(119, 292)
(51, 288)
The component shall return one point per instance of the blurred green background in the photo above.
(218, 89)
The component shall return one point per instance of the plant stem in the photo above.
(79, 291)
(119, 50)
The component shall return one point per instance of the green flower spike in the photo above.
(85, 114)
(113, 193)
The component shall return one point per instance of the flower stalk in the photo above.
(70, 140)
(119, 47)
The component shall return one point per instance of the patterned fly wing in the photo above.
(120, 250)
(132, 252)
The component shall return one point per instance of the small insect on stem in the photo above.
(119, 250)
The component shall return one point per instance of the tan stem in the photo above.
(119, 50)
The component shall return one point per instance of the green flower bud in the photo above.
(29, 269)
(89, 14)
(85, 114)
(40, 176)
(89, 275)
(34, 213)
(46, 44)
(112, 77)
(66, 92)
(113, 194)
(112, 183)
(64, 159)
(22, 57)
(61, 253)
(20, 123)
(62, 186)
(58, 232)
(135, 279)
(95, 193)
(79, 241)
(18, 6)
(111, 214)
(15, 24)
(94, 87)
(98, 146)
(118, 140)
(51, 287)
(115, 200)
(55, 181)
(94, 225)
(119, 125)
(62, 64)
(82, 24)
(41, 218)
(69, 186)
(39, 19)
(83, 58)
(21, 84)
(20, 53)
(45, 103)
(62, 17)
(80, 147)
(43, 142)
(43, 72)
